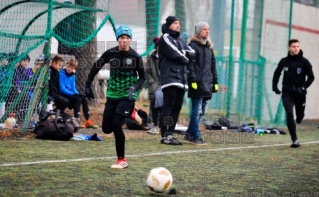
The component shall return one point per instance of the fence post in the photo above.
(260, 86)
(242, 57)
(280, 106)
(230, 66)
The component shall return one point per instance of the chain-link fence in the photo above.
(249, 37)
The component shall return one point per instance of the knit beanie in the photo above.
(170, 20)
(123, 30)
(199, 26)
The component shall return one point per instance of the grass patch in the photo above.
(209, 172)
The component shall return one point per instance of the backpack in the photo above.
(227, 123)
(250, 128)
(54, 129)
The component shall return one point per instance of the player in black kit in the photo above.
(298, 76)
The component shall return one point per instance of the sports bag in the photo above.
(55, 129)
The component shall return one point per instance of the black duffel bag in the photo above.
(54, 129)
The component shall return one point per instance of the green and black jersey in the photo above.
(126, 70)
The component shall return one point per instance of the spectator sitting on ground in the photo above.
(70, 92)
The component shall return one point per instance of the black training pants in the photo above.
(114, 114)
(172, 105)
(60, 102)
(290, 100)
(75, 102)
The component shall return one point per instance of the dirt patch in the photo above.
(16, 134)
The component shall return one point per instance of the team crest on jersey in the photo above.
(128, 61)
(298, 71)
(285, 68)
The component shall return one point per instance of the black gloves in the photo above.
(276, 90)
(88, 90)
(131, 93)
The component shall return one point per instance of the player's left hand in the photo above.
(131, 93)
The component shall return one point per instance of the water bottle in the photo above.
(260, 132)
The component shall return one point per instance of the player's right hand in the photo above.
(88, 90)
(276, 90)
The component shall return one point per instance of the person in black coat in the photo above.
(298, 76)
(54, 84)
(202, 80)
(174, 55)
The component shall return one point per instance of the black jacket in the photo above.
(54, 83)
(202, 70)
(172, 63)
(298, 73)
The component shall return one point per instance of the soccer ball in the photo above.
(11, 121)
(159, 180)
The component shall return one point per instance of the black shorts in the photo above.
(122, 107)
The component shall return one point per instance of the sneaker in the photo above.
(170, 140)
(32, 124)
(120, 164)
(154, 131)
(90, 124)
(295, 144)
(75, 123)
(187, 139)
(137, 119)
(199, 142)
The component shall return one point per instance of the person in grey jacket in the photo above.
(202, 80)
(175, 55)
(152, 77)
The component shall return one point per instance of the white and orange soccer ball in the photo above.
(159, 179)
(10, 122)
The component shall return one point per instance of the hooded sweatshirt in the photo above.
(297, 73)
(67, 83)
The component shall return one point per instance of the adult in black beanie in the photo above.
(175, 56)
(170, 20)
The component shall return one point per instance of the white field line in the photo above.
(149, 154)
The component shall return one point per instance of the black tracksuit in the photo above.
(54, 90)
(173, 68)
(298, 76)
